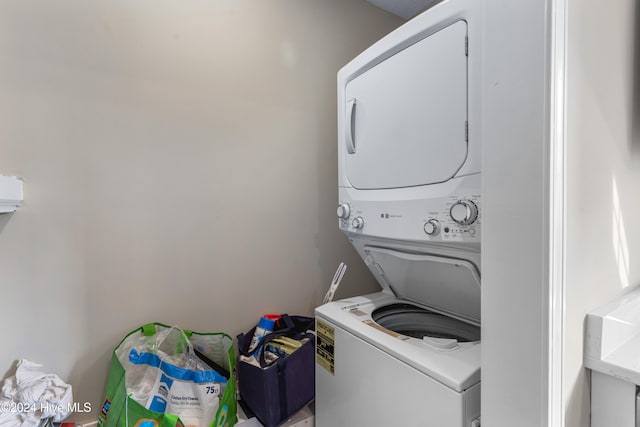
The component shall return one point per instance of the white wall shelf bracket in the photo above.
(11, 195)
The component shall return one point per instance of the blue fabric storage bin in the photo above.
(277, 391)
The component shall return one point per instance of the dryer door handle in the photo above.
(350, 126)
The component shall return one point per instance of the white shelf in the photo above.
(613, 338)
(612, 352)
(10, 193)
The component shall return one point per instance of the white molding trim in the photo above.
(557, 186)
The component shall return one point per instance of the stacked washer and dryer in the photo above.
(409, 202)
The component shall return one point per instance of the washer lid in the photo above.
(449, 285)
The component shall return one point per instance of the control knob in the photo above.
(432, 227)
(344, 211)
(357, 223)
(464, 212)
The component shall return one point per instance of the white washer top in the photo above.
(457, 368)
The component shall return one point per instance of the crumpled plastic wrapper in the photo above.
(31, 396)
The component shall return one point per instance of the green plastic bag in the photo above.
(156, 380)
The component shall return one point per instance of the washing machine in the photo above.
(410, 354)
(409, 177)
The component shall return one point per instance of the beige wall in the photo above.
(603, 174)
(179, 161)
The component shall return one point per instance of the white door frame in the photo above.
(557, 218)
(523, 248)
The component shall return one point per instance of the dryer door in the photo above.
(406, 118)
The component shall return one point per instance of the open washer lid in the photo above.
(445, 284)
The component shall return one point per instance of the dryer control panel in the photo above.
(446, 218)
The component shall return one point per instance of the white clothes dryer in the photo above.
(409, 131)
